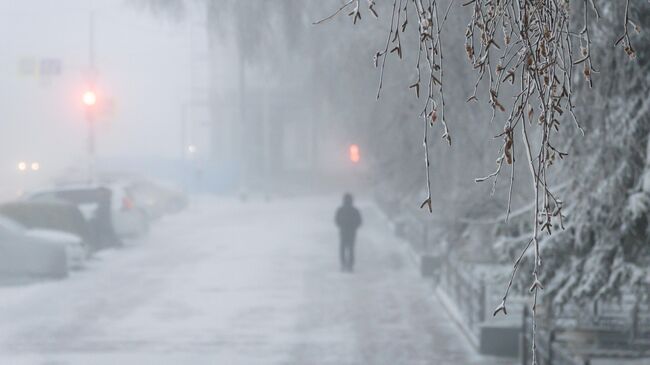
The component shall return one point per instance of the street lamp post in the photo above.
(90, 99)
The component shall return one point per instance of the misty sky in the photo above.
(143, 64)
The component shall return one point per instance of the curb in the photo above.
(443, 298)
(448, 304)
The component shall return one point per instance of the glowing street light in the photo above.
(22, 166)
(89, 98)
(191, 149)
(35, 166)
(355, 154)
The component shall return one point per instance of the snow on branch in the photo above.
(524, 54)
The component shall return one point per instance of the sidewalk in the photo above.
(243, 284)
(384, 313)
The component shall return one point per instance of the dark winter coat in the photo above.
(348, 219)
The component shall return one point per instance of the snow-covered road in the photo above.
(232, 283)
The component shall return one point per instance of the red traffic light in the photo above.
(355, 155)
(89, 98)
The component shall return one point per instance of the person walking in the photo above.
(348, 220)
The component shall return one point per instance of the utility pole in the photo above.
(91, 40)
(197, 143)
(90, 99)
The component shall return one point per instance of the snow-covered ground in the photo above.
(238, 283)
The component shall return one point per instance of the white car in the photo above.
(157, 199)
(22, 255)
(129, 218)
(126, 218)
(76, 252)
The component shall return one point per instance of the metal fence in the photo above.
(548, 350)
(622, 323)
(572, 338)
(605, 330)
(467, 293)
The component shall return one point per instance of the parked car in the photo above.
(54, 221)
(22, 255)
(76, 251)
(110, 210)
(130, 219)
(157, 199)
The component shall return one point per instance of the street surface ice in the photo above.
(228, 282)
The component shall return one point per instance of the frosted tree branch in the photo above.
(529, 47)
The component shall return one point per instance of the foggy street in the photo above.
(231, 282)
(337, 182)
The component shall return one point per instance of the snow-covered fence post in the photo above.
(634, 325)
(482, 298)
(447, 274)
(551, 339)
(454, 281)
(471, 304)
(646, 177)
(425, 236)
(524, 347)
